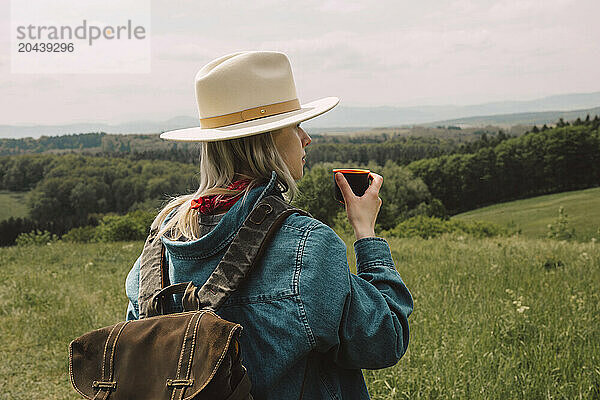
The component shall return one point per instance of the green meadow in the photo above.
(12, 204)
(533, 215)
(501, 318)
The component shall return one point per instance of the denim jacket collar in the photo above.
(222, 234)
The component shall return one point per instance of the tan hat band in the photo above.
(250, 114)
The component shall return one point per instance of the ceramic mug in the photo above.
(358, 179)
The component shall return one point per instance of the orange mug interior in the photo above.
(351, 171)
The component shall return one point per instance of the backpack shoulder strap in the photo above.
(153, 272)
(243, 253)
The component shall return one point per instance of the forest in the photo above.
(542, 161)
(428, 176)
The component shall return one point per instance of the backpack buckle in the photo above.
(177, 383)
(104, 385)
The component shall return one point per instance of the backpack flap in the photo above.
(152, 358)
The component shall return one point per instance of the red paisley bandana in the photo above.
(211, 204)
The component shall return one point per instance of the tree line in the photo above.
(68, 191)
(24, 172)
(72, 190)
(46, 143)
(556, 159)
(356, 148)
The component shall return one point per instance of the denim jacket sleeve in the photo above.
(132, 289)
(362, 319)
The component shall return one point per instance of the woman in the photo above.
(301, 309)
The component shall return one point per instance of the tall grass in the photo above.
(503, 318)
(50, 295)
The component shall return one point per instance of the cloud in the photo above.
(334, 51)
(368, 53)
(531, 10)
(341, 6)
(185, 52)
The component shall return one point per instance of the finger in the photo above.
(344, 185)
(376, 184)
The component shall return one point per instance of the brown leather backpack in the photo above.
(188, 355)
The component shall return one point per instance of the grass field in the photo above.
(533, 215)
(505, 318)
(12, 204)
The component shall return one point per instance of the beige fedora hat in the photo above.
(247, 93)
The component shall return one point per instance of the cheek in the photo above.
(289, 146)
(280, 145)
(286, 155)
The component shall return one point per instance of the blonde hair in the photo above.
(222, 162)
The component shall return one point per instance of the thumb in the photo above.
(376, 184)
(344, 186)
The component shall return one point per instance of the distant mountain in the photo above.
(505, 120)
(8, 131)
(521, 112)
(397, 116)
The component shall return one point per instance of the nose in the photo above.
(305, 138)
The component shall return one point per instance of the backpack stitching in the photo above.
(106, 347)
(71, 371)
(187, 329)
(112, 351)
(187, 375)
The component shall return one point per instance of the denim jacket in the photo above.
(302, 308)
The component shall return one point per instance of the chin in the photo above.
(297, 173)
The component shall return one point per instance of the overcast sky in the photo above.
(368, 53)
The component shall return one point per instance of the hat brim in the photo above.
(256, 126)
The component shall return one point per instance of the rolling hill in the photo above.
(529, 118)
(533, 215)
